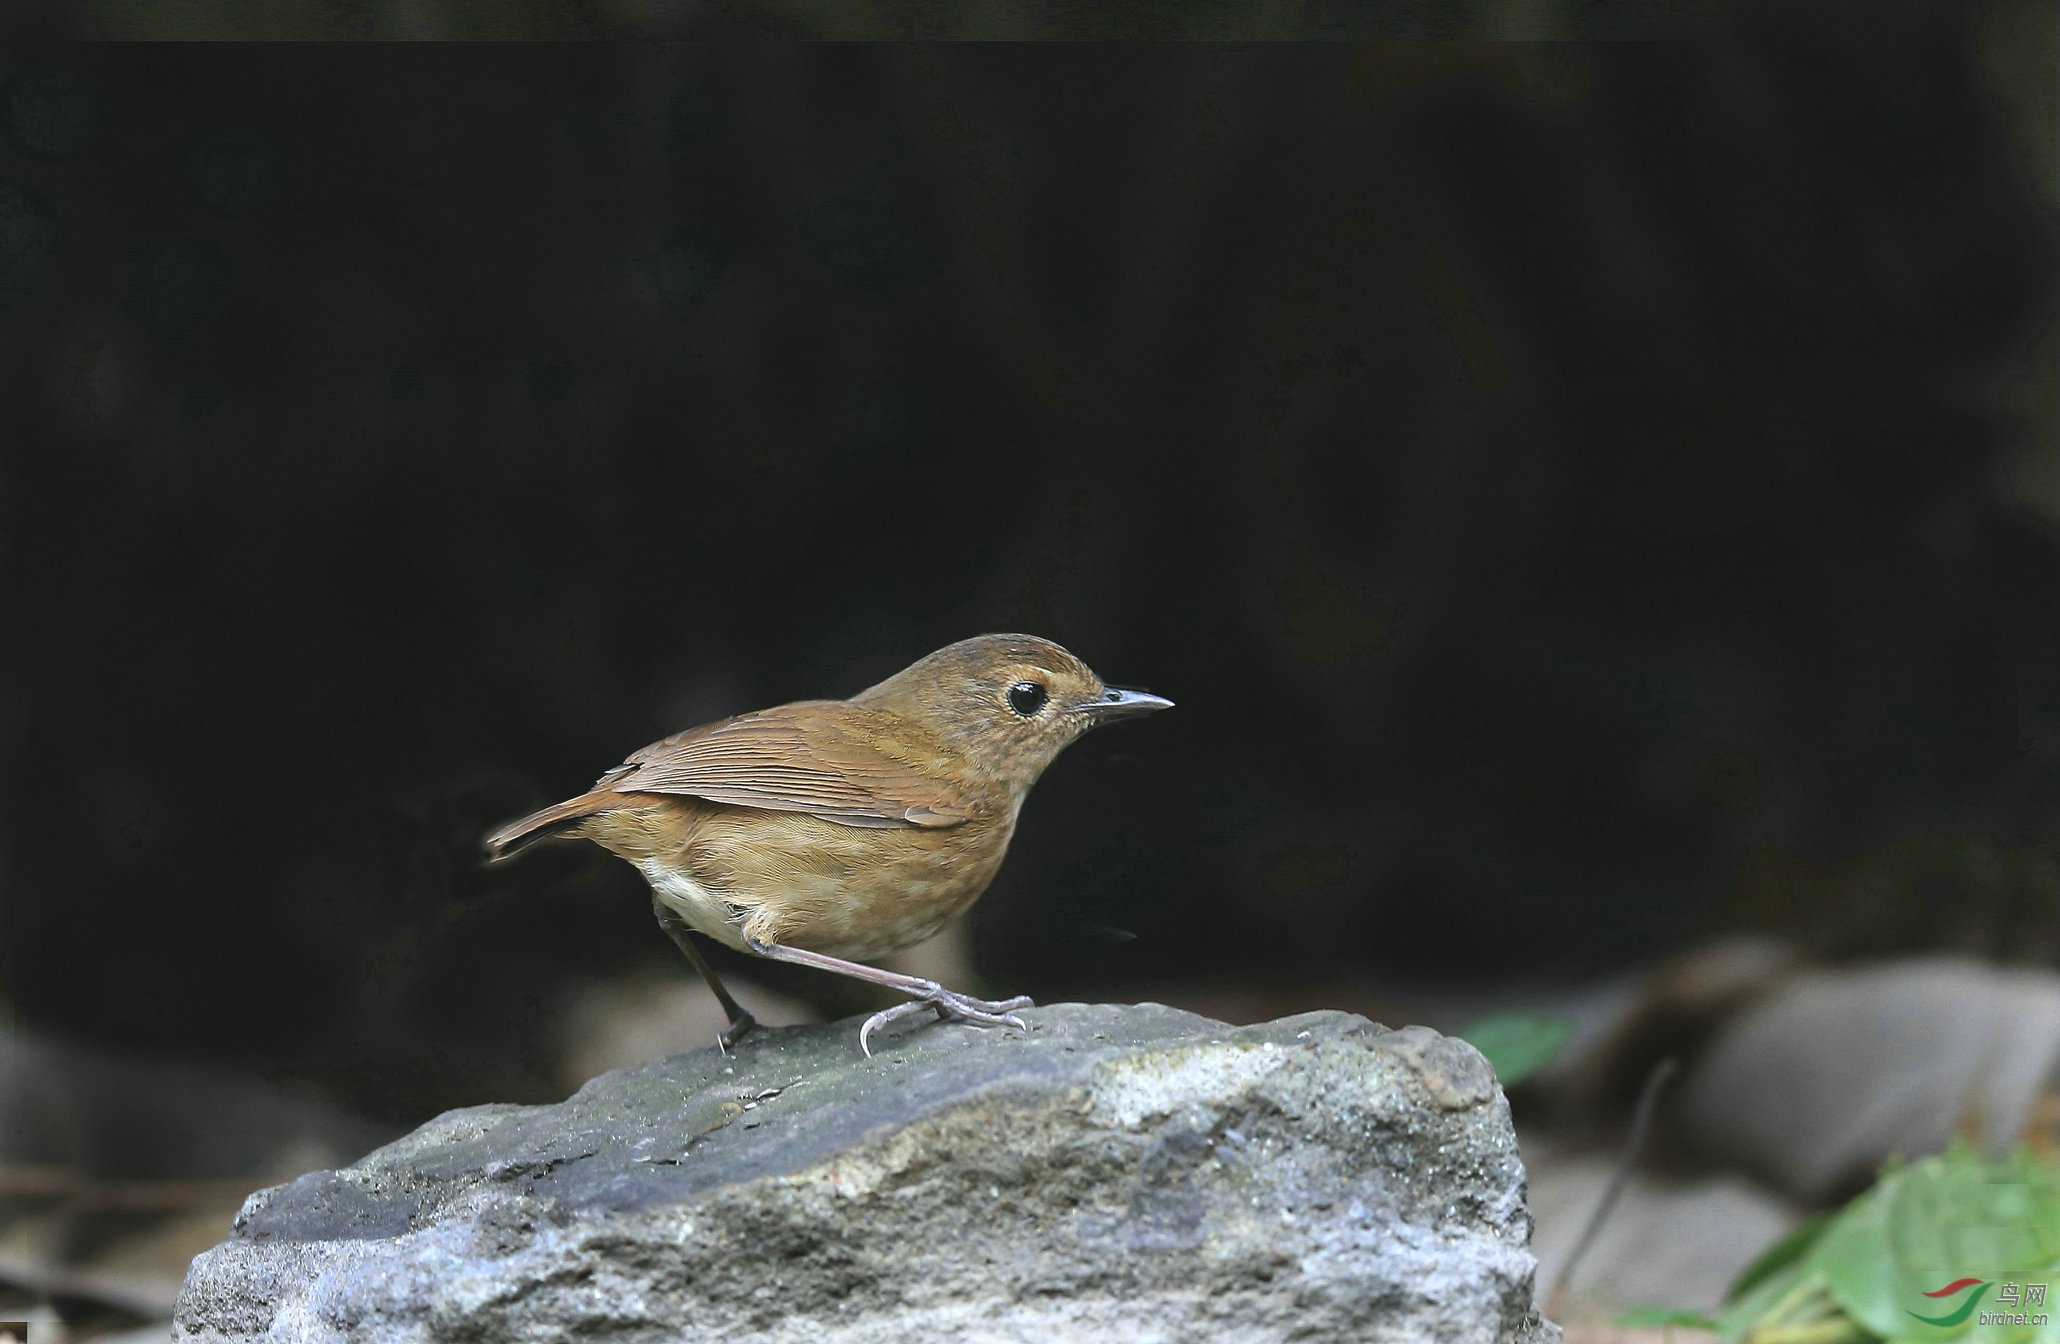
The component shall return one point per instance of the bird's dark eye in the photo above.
(1027, 697)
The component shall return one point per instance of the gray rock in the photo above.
(1121, 1173)
(1837, 1071)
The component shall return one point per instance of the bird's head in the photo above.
(1010, 703)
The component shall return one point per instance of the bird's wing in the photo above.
(829, 758)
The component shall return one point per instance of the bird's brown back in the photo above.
(849, 764)
(832, 759)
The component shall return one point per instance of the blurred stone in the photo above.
(1674, 1010)
(1120, 1173)
(113, 1116)
(1669, 1243)
(1824, 1080)
(157, 1332)
(115, 1171)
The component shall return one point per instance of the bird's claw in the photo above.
(726, 1039)
(949, 1006)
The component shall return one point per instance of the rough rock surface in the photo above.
(1120, 1174)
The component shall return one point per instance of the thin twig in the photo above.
(1641, 1124)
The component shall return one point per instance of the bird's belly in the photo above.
(705, 911)
(846, 891)
(736, 873)
(897, 909)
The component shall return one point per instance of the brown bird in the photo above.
(826, 831)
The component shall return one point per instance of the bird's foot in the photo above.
(726, 1039)
(948, 1006)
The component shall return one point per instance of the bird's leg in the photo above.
(925, 993)
(676, 927)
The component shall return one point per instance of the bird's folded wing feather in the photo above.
(828, 758)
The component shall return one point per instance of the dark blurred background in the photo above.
(1583, 497)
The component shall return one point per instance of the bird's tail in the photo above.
(518, 835)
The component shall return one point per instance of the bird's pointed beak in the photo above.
(1118, 703)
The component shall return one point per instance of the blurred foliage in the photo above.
(1781, 1255)
(1933, 1251)
(1665, 1318)
(1518, 1044)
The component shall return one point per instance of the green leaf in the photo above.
(1798, 1242)
(1923, 1228)
(1854, 1257)
(1647, 1315)
(1520, 1043)
(1956, 1225)
(1772, 1296)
